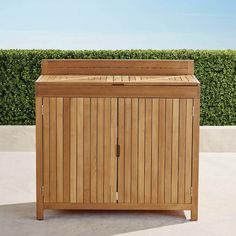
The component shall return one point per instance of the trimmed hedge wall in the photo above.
(215, 69)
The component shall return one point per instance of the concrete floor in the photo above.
(217, 208)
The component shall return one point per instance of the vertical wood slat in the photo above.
(113, 166)
(39, 157)
(127, 147)
(93, 150)
(59, 149)
(100, 183)
(148, 150)
(80, 150)
(53, 149)
(175, 151)
(141, 150)
(46, 149)
(168, 151)
(188, 159)
(73, 137)
(107, 150)
(161, 161)
(134, 152)
(66, 150)
(155, 131)
(87, 169)
(121, 161)
(182, 143)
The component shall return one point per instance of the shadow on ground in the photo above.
(19, 219)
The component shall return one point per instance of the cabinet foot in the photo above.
(40, 213)
(194, 214)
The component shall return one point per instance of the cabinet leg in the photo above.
(194, 214)
(40, 212)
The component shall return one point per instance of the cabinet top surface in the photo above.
(118, 79)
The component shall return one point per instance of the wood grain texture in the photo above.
(39, 158)
(87, 150)
(119, 67)
(59, 149)
(53, 149)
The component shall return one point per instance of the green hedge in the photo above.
(215, 69)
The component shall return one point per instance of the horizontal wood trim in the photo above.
(116, 67)
(117, 206)
(166, 91)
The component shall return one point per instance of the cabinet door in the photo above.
(79, 149)
(155, 138)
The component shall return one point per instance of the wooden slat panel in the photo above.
(120, 67)
(73, 137)
(182, 143)
(134, 146)
(107, 150)
(113, 148)
(87, 142)
(121, 160)
(94, 150)
(127, 136)
(155, 131)
(59, 149)
(46, 149)
(161, 164)
(53, 149)
(188, 158)
(148, 150)
(66, 154)
(168, 150)
(141, 150)
(175, 151)
(80, 150)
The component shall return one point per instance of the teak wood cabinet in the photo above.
(117, 134)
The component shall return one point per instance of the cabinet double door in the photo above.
(117, 150)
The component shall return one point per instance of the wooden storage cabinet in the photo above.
(117, 134)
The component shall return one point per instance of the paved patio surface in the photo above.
(217, 208)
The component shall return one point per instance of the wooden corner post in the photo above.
(39, 159)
